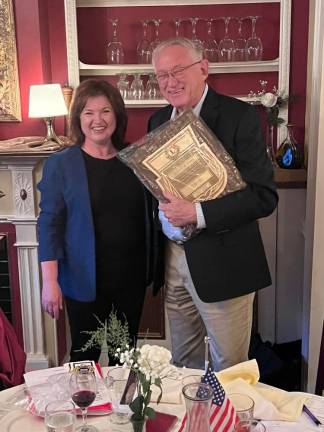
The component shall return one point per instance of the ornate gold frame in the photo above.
(9, 81)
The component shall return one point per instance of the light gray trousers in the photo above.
(228, 323)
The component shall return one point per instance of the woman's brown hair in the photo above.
(92, 88)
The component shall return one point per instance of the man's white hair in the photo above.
(196, 52)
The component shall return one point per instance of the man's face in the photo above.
(183, 86)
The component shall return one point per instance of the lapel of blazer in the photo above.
(210, 109)
(79, 178)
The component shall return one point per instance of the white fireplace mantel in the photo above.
(23, 215)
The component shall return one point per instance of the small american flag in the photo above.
(222, 414)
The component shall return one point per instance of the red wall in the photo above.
(40, 30)
(41, 50)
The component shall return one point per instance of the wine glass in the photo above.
(210, 46)
(226, 45)
(115, 51)
(152, 89)
(199, 44)
(177, 23)
(83, 388)
(136, 90)
(253, 47)
(144, 52)
(239, 42)
(156, 41)
(123, 86)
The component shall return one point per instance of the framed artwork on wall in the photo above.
(10, 110)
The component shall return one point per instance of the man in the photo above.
(210, 280)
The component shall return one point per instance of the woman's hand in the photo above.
(52, 299)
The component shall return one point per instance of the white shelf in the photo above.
(217, 68)
(124, 3)
(157, 103)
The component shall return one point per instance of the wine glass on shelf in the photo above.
(177, 23)
(115, 51)
(144, 52)
(199, 44)
(226, 45)
(210, 46)
(136, 90)
(123, 85)
(83, 389)
(156, 41)
(253, 47)
(239, 42)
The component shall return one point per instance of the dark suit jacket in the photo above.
(65, 224)
(227, 259)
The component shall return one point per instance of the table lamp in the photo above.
(46, 101)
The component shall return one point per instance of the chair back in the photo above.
(12, 356)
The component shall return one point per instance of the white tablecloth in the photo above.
(19, 420)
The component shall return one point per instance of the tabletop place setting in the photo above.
(144, 392)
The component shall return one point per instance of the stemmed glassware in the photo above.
(123, 85)
(136, 90)
(144, 52)
(155, 42)
(194, 38)
(152, 90)
(83, 388)
(253, 47)
(239, 42)
(210, 46)
(115, 51)
(177, 23)
(226, 45)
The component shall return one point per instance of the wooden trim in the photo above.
(290, 178)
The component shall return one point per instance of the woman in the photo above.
(94, 222)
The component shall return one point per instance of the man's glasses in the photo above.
(176, 73)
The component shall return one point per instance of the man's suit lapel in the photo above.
(210, 110)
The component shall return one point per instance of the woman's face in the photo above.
(98, 120)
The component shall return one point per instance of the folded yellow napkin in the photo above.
(248, 371)
(270, 403)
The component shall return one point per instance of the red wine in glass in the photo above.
(83, 398)
(83, 388)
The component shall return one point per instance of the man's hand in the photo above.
(179, 212)
(52, 300)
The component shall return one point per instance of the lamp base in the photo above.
(51, 136)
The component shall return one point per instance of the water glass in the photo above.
(198, 399)
(123, 86)
(60, 416)
(136, 90)
(152, 89)
(116, 383)
(251, 425)
(191, 379)
(243, 405)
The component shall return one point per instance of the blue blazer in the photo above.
(65, 225)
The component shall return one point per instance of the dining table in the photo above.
(14, 416)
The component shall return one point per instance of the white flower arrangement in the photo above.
(271, 101)
(151, 363)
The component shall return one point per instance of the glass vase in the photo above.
(198, 398)
(138, 425)
(270, 145)
(289, 154)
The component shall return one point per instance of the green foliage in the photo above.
(115, 331)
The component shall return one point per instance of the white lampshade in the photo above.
(46, 100)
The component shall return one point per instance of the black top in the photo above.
(118, 209)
